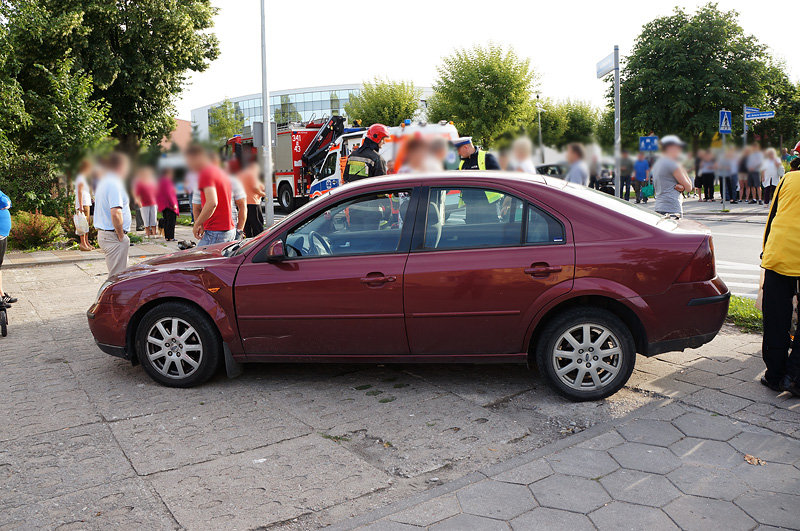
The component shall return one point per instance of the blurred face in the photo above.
(640, 156)
(465, 151)
(572, 157)
(673, 151)
(196, 162)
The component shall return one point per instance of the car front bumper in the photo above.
(107, 329)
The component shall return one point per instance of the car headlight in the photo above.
(104, 287)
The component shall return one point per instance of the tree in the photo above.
(13, 116)
(137, 54)
(581, 124)
(224, 121)
(604, 133)
(384, 102)
(554, 123)
(684, 69)
(783, 97)
(484, 91)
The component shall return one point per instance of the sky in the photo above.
(316, 42)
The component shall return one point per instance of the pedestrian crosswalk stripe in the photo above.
(737, 275)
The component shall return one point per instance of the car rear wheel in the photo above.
(177, 346)
(586, 353)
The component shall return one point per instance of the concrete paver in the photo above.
(92, 442)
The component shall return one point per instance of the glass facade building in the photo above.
(296, 105)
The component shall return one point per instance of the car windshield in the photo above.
(619, 205)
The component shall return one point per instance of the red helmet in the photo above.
(377, 132)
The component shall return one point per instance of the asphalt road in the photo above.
(737, 246)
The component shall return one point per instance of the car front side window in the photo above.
(368, 224)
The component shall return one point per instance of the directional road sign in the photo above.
(760, 115)
(648, 143)
(605, 66)
(751, 109)
(725, 122)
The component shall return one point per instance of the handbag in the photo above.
(81, 223)
(648, 190)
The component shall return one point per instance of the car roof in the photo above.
(461, 177)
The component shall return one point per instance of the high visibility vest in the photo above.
(481, 160)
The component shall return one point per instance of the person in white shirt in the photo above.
(771, 172)
(112, 214)
(83, 199)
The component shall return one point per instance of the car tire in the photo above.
(286, 197)
(563, 347)
(177, 345)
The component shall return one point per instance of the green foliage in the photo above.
(13, 117)
(581, 124)
(554, 123)
(486, 92)
(684, 68)
(604, 134)
(743, 313)
(782, 96)
(384, 102)
(224, 121)
(31, 230)
(32, 183)
(138, 53)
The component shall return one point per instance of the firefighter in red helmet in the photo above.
(365, 161)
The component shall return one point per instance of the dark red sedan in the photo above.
(463, 267)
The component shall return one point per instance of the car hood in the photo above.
(194, 258)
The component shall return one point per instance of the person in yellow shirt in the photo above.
(781, 261)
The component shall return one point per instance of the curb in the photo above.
(493, 470)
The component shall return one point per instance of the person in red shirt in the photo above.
(144, 192)
(215, 223)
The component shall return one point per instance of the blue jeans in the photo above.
(210, 237)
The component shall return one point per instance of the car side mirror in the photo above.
(276, 251)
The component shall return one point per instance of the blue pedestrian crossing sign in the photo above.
(648, 143)
(725, 119)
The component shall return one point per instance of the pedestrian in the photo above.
(254, 191)
(754, 162)
(706, 176)
(416, 156)
(167, 201)
(669, 178)
(577, 172)
(522, 155)
(473, 158)
(6, 300)
(213, 223)
(112, 214)
(771, 172)
(781, 262)
(366, 160)
(438, 153)
(83, 199)
(145, 190)
(594, 170)
(729, 167)
(625, 173)
(189, 186)
(641, 175)
(743, 174)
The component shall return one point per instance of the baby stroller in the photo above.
(3, 322)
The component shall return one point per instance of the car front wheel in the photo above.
(176, 345)
(586, 353)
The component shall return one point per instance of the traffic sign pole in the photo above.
(724, 177)
(744, 120)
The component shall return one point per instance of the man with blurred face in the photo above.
(112, 214)
(214, 223)
(669, 178)
(473, 158)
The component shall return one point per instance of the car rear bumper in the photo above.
(685, 316)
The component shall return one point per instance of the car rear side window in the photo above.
(543, 228)
(468, 218)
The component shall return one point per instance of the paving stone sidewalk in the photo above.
(678, 464)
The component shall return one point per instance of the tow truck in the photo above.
(309, 158)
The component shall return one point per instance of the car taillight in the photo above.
(701, 267)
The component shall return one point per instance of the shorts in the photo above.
(3, 245)
(698, 181)
(149, 215)
(753, 179)
(210, 237)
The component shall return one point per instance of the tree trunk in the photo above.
(130, 145)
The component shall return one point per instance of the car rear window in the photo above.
(616, 204)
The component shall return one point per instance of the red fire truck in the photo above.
(297, 152)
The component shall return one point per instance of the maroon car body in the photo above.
(418, 304)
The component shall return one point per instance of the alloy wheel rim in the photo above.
(174, 348)
(587, 357)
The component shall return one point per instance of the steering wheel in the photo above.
(319, 243)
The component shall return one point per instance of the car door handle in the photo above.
(378, 279)
(542, 270)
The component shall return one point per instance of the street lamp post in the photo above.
(266, 149)
(539, 121)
